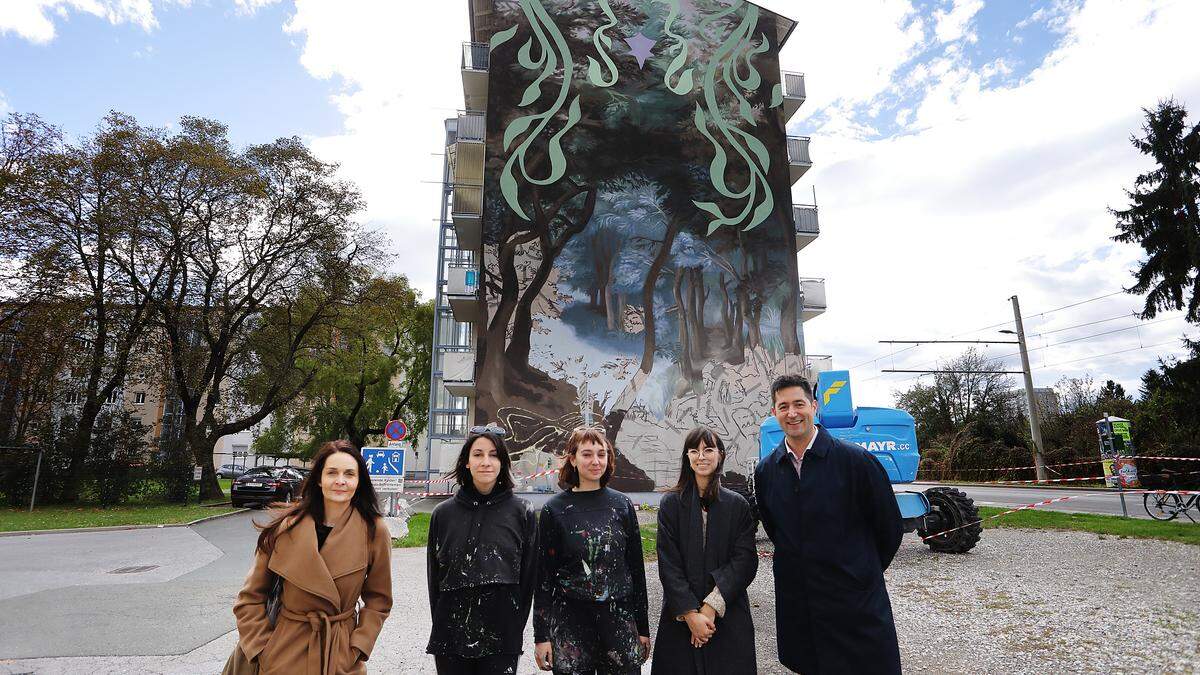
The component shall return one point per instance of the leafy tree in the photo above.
(378, 370)
(267, 255)
(68, 214)
(969, 420)
(1164, 214)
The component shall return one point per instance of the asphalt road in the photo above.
(1082, 501)
(78, 607)
(60, 595)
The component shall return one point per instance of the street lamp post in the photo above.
(1035, 425)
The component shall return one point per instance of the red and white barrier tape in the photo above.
(1051, 501)
(1020, 468)
(1047, 480)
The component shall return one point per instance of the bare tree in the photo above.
(267, 252)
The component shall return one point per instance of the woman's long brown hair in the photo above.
(312, 500)
(687, 476)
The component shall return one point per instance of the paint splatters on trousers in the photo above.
(594, 637)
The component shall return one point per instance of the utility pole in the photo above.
(1035, 424)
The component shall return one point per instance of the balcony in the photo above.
(813, 291)
(817, 363)
(475, 75)
(799, 161)
(466, 210)
(465, 157)
(458, 372)
(807, 228)
(793, 94)
(462, 293)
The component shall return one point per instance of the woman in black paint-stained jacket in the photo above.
(590, 604)
(483, 560)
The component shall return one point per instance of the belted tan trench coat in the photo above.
(318, 631)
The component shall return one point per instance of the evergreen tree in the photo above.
(1164, 214)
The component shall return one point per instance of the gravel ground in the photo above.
(1023, 601)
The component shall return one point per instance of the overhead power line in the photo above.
(1090, 323)
(1099, 356)
(894, 353)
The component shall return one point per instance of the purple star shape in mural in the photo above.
(641, 47)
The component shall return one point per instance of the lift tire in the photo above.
(746, 490)
(956, 509)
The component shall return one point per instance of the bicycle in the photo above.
(1168, 506)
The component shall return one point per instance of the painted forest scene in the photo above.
(639, 258)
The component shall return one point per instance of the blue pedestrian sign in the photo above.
(386, 468)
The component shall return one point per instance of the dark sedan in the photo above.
(263, 485)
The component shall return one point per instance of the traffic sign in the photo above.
(197, 472)
(386, 468)
(396, 430)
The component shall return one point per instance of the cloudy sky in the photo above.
(964, 150)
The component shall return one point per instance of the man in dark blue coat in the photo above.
(830, 510)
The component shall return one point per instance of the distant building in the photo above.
(1047, 401)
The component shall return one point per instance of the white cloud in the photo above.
(402, 79)
(849, 50)
(995, 192)
(31, 20)
(953, 24)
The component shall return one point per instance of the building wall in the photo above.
(639, 250)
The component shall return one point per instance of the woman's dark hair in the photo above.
(462, 474)
(312, 500)
(687, 477)
(568, 475)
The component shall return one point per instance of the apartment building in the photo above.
(618, 242)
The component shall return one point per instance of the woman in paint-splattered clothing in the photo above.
(482, 565)
(590, 605)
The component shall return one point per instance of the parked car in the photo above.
(263, 485)
(230, 471)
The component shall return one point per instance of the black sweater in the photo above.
(591, 550)
(482, 566)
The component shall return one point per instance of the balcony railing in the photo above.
(813, 291)
(472, 126)
(807, 227)
(799, 161)
(462, 293)
(458, 372)
(793, 94)
(818, 363)
(466, 210)
(475, 75)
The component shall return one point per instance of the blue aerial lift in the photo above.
(891, 436)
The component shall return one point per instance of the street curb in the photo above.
(1106, 490)
(118, 528)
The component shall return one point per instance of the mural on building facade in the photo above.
(639, 246)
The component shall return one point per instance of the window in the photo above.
(139, 398)
(72, 397)
(113, 397)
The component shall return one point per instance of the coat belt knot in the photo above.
(321, 637)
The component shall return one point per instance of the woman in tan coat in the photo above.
(330, 549)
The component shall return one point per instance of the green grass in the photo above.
(1186, 532)
(418, 532)
(649, 541)
(418, 535)
(226, 484)
(82, 515)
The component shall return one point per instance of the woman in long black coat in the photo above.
(706, 560)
